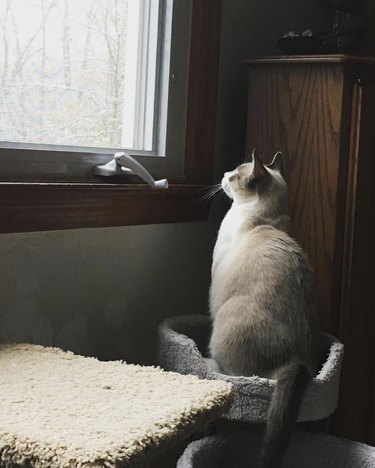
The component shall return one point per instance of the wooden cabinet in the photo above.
(320, 112)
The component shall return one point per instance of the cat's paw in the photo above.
(212, 364)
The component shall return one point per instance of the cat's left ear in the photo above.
(277, 163)
(259, 171)
(249, 156)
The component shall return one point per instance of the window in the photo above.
(84, 79)
(89, 73)
(94, 76)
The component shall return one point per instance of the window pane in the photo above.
(79, 73)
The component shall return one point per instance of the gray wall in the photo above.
(251, 28)
(103, 291)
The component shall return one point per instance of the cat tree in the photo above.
(183, 344)
(307, 450)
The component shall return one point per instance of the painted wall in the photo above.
(103, 291)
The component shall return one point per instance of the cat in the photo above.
(263, 298)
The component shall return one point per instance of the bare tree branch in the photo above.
(21, 61)
(66, 38)
(4, 25)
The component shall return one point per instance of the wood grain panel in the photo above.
(297, 109)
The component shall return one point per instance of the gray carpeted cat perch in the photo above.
(183, 342)
(239, 450)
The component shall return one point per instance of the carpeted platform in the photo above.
(62, 410)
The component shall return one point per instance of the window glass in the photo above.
(90, 73)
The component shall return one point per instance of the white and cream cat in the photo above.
(263, 298)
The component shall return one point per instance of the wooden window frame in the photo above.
(40, 206)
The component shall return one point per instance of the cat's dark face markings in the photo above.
(252, 178)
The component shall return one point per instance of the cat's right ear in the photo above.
(277, 163)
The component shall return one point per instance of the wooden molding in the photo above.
(305, 59)
(40, 207)
(203, 78)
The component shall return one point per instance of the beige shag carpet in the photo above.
(62, 410)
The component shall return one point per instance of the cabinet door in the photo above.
(355, 417)
(297, 108)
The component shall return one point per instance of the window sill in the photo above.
(26, 207)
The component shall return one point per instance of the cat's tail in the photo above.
(292, 381)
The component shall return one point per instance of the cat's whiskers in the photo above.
(211, 192)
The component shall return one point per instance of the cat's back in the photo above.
(265, 246)
(263, 261)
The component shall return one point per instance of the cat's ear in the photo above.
(260, 176)
(277, 163)
(259, 171)
(249, 157)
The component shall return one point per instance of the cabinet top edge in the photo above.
(303, 59)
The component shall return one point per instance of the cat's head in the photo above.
(253, 179)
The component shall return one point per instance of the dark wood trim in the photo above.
(41, 207)
(31, 206)
(303, 59)
(357, 318)
(203, 77)
(351, 205)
